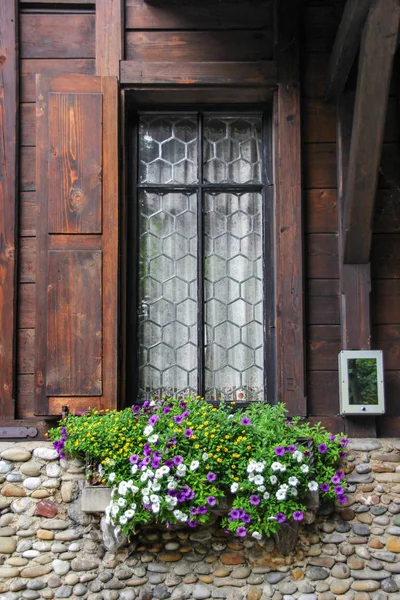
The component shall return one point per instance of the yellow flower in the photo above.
(219, 460)
(197, 446)
(233, 466)
(248, 447)
(212, 435)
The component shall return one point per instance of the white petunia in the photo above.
(121, 502)
(297, 455)
(156, 487)
(304, 468)
(281, 495)
(134, 469)
(266, 496)
(204, 456)
(155, 508)
(313, 486)
(122, 488)
(154, 499)
(164, 470)
(251, 467)
(234, 487)
(194, 465)
(148, 430)
(261, 488)
(276, 466)
(183, 518)
(273, 479)
(256, 535)
(134, 489)
(153, 439)
(123, 520)
(146, 500)
(293, 481)
(143, 477)
(260, 467)
(172, 484)
(251, 477)
(133, 506)
(283, 468)
(293, 491)
(114, 510)
(129, 513)
(258, 479)
(111, 477)
(146, 491)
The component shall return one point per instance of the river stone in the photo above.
(365, 586)
(393, 544)
(30, 595)
(32, 483)
(7, 545)
(85, 563)
(31, 468)
(363, 445)
(76, 513)
(53, 470)
(7, 531)
(363, 468)
(389, 585)
(5, 467)
(14, 477)
(16, 454)
(275, 577)
(340, 571)
(38, 571)
(8, 572)
(358, 478)
(334, 538)
(10, 490)
(61, 567)
(21, 505)
(317, 573)
(51, 484)
(65, 591)
(69, 535)
(342, 527)
(240, 573)
(360, 529)
(45, 453)
(80, 590)
(370, 574)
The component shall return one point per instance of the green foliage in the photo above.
(172, 460)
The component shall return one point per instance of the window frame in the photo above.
(132, 111)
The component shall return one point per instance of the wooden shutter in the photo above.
(77, 243)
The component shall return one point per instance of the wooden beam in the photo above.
(346, 45)
(289, 285)
(354, 279)
(8, 201)
(109, 36)
(378, 46)
(261, 73)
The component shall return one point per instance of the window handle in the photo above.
(143, 310)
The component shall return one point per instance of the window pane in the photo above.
(232, 149)
(167, 149)
(233, 296)
(168, 293)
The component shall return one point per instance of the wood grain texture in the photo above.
(26, 351)
(313, 74)
(322, 256)
(319, 121)
(74, 164)
(26, 306)
(324, 345)
(320, 21)
(346, 45)
(385, 301)
(378, 45)
(225, 14)
(57, 35)
(323, 392)
(387, 211)
(385, 256)
(29, 68)
(321, 211)
(27, 163)
(27, 130)
(319, 165)
(109, 36)
(74, 323)
(197, 73)
(27, 260)
(387, 339)
(201, 46)
(290, 370)
(27, 214)
(8, 201)
(322, 302)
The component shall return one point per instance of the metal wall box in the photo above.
(361, 386)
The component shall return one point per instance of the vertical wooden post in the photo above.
(109, 36)
(8, 201)
(355, 279)
(289, 283)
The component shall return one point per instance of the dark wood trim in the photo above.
(9, 74)
(346, 45)
(289, 284)
(262, 73)
(378, 46)
(355, 279)
(109, 36)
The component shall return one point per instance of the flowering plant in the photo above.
(173, 460)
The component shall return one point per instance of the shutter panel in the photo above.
(77, 243)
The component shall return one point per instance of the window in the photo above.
(201, 264)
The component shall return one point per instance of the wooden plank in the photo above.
(27, 158)
(385, 301)
(8, 200)
(319, 165)
(30, 67)
(388, 426)
(323, 393)
(289, 285)
(324, 346)
(387, 211)
(25, 389)
(334, 425)
(224, 14)
(109, 36)
(26, 305)
(392, 406)
(146, 97)
(385, 256)
(75, 165)
(201, 46)
(387, 338)
(314, 67)
(60, 2)
(196, 73)
(319, 121)
(74, 323)
(26, 351)
(322, 302)
(319, 25)
(27, 214)
(389, 170)
(378, 44)
(27, 124)
(346, 45)
(27, 259)
(322, 256)
(321, 211)
(57, 35)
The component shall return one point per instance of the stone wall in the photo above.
(50, 548)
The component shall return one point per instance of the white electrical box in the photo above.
(361, 382)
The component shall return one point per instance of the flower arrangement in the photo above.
(172, 461)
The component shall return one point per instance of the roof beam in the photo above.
(378, 45)
(346, 45)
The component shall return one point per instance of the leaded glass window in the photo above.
(201, 278)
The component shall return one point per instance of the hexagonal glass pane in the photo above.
(251, 290)
(175, 334)
(174, 379)
(216, 357)
(252, 334)
(175, 290)
(161, 268)
(214, 268)
(186, 312)
(240, 224)
(240, 312)
(227, 334)
(173, 151)
(187, 356)
(240, 268)
(226, 246)
(161, 357)
(162, 312)
(215, 312)
(150, 333)
(241, 357)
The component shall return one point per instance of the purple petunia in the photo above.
(335, 479)
(322, 448)
(340, 474)
(185, 414)
(178, 419)
(202, 510)
(169, 463)
(241, 531)
(156, 463)
(288, 423)
(324, 487)
(342, 499)
(254, 499)
(245, 421)
(193, 511)
(146, 460)
(332, 437)
(166, 410)
(188, 433)
(339, 490)
(280, 517)
(292, 448)
(192, 523)
(234, 514)
(211, 476)
(178, 459)
(344, 441)
(279, 450)
(147, 449)
(342, 454)
(245, 518)
(211, 500)
(181, 497)
(298, 515)
(136, 408)
(153, 419)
